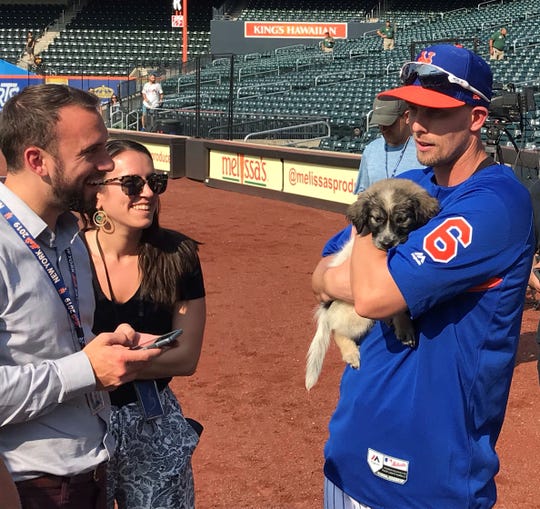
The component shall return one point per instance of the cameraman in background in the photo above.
(534, 280)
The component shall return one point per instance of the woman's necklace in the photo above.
(393, 174)
(102, 256)
(140, 307)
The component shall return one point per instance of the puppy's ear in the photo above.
(427, 208)
(358, 212)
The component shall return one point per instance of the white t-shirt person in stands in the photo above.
(152, 97)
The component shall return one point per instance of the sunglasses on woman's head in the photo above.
(133, 185)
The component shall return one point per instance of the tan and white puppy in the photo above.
(389, 209)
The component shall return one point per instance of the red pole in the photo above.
(185, 31)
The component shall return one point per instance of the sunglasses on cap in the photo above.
(434, 77)
(132, 185)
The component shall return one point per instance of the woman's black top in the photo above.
(143, 316)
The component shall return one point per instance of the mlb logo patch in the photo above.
(386, 467)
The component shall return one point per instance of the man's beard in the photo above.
(70, 196)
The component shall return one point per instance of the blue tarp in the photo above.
(10, 69)
(13, 79)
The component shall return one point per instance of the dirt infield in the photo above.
(264, 435)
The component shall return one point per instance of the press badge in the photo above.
(95, 402)
(148, 396)
(389, 468)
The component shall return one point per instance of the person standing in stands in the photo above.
(54, 374)
(392, 153)
(497, 43)
(152, 94)
(328, 43)
(387, 33)
(114, 104)
(417, 427)
(30, 45)
(113, 111)
(151, 278)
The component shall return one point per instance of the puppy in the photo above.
(389, 209)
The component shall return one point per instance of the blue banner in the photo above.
(13, 79)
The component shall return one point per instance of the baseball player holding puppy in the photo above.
(417, 427)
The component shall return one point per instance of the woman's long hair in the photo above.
(165, 256)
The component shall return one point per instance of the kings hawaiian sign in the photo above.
(294, 30)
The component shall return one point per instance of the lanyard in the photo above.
(55, 277)
(399, 160)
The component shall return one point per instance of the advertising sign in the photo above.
(322, 182)
(249, 170)
(281, 29)
(161, 154)
(177, 21)
(13, 79)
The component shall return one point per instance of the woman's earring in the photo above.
(102, 221)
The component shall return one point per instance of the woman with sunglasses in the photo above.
(151, 278)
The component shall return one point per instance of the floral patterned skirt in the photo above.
(151, 467)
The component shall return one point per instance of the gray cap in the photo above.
(386, 112)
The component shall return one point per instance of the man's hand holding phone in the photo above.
(113, 358)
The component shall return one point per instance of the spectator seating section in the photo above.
(15, 22)
(279, 88)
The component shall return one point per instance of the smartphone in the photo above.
(161, 341)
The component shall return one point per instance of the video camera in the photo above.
(509, 105)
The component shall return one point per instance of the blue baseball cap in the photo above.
(445, 76)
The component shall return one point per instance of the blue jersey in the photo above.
(335, 243)
(416, 428)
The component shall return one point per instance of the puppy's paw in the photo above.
(352, 359)
(350, 352)
(404, 329)
(408, 338)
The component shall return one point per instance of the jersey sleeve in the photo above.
(470, 246)
(335, 243)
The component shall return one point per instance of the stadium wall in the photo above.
(309, 177)
(314, 178)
